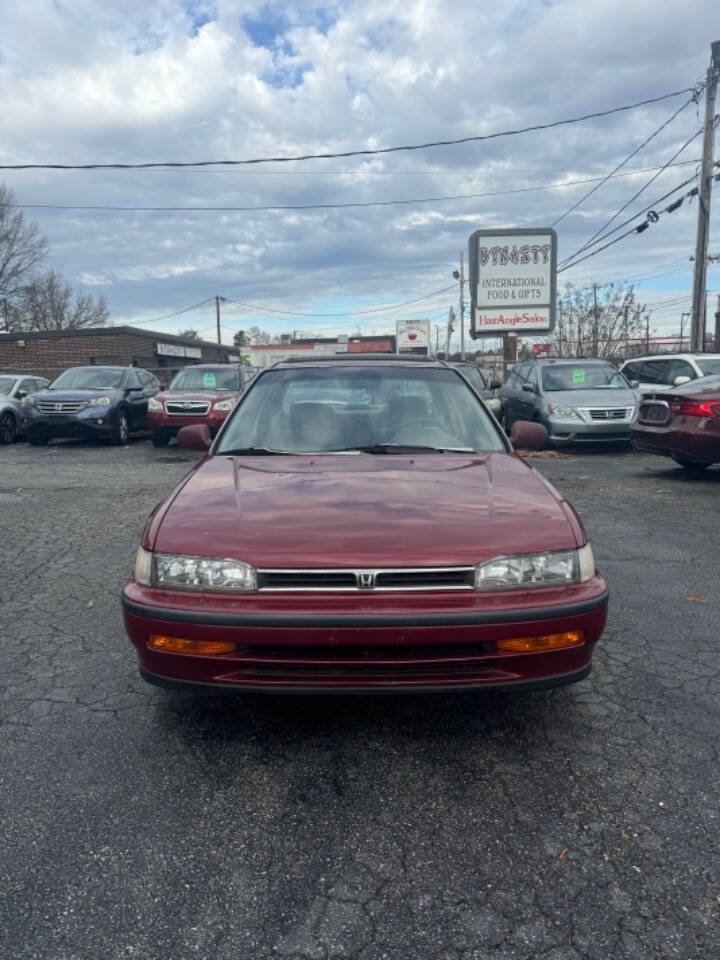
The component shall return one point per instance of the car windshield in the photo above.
(372, 409)
(474, 376)
(88, 378)
(709, 367)
(193, 378)
(6, 385)
(579, 376)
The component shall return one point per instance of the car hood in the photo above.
(209, 396)
(592, 398)
(364, 510)
(61, 395)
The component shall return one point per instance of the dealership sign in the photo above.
(413, 336)
(512, 281)
(178, 350)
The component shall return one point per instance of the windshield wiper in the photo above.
(399, 448)
(255, 452)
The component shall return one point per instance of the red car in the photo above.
(200, 394)
(362, 524)
(683, 423)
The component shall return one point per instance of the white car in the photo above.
(664, 372)
(14, 387)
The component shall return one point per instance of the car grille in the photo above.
(187, 408)
(612, 413)
(376, 665)
(60, 406)
(368, 580)
(654, 411)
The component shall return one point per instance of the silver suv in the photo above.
(14, 387)
(575, 400)
(670, 370)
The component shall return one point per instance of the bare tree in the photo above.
(610, 333)
(22, 250)
(190, 334)
(257, 336)
(49, 303)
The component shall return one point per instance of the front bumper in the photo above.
(402, 643)
(169, 424)
(97, 421)
(568, 430)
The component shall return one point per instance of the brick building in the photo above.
(47, 354)
(265, 354)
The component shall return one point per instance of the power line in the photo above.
(623, 162)
(169, 316)
(345, 153)
(601, 231)
(312, 206)
(354, 313)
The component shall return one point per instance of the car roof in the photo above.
(210, 366)
(674, 356)
(395, 359)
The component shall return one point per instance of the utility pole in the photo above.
(682, 327)
(699, 295)
(717, 326)
(561, 331)
(217, 316)
(462, 305)
(595, 321)
(647, 334)
(450, 328)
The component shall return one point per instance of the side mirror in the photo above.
(21, 394)
(196, 437)
(528, 388)
(495, 384)
(528, 436)
(679, 381)
(635, 384)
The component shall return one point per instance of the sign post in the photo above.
(513, 278)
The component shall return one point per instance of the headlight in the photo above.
(99, 402)
(224, 405)
(154, 404)
(536, 570)
(558, 410)
(194, 573)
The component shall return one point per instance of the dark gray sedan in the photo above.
(14, 387)
(575, 400)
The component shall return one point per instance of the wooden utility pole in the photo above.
(450, 328)
(462, 305)
(595, 321)
(699, 295)
(217, 316)
(717, 326)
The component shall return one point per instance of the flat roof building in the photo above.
(48, 353)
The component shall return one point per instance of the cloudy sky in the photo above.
(98, 81)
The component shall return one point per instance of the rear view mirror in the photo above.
(196, 437)
(528, 436)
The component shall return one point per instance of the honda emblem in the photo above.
(365, 580)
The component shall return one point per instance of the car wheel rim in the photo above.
(7, 428)
(123, 429)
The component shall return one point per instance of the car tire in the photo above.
(37, 439)
(160, 439)
(121, 430)
(692, 465)
(8, 427)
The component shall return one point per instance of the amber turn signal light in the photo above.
(551, 641)
(206, 648)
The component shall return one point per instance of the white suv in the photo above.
(670, 370)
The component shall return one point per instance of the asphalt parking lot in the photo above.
(140, 823)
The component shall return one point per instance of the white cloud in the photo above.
(172, 80)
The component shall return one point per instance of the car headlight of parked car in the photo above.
(536, 570)
(154, 404)
(100, 402)
(194, 573)
(224, 405)
(558, 410)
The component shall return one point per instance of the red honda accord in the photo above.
(362, 524)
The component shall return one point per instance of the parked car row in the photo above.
(112, 402)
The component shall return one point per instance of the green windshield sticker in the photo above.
(579, 376)
(209, 380)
